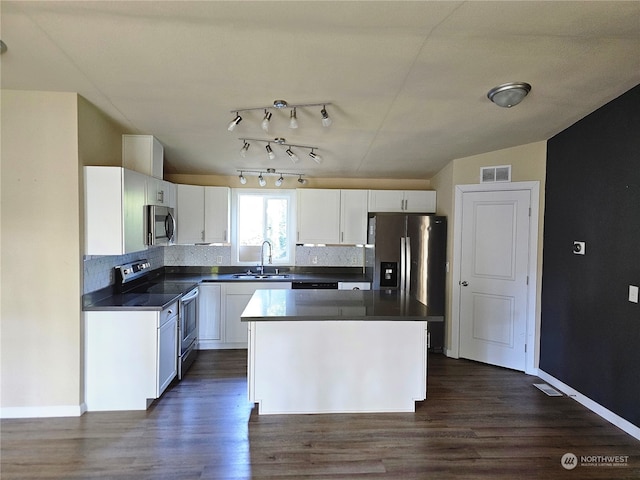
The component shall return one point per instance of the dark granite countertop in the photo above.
(279, 305)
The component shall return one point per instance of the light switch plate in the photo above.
(633, 293)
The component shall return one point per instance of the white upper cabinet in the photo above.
(114, 211)
(332, 216)
(403, 201)
(190, 214)
(216, 214)
(202, 214)
(318, 216)
(353, 217)
(143, 154)
(161, 192)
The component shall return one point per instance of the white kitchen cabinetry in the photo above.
(114, 210)
(161, 192)
(130, 357)
(210, 325)
(236, 297)
(402, 201)
(144, 154)
(332, 216)
(353, 217)
(202, 214)
(318, 216)
(216, 214)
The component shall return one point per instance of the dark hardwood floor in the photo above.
(479, 422)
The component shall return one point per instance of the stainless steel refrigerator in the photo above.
(408, 253)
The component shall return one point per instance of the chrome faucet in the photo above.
(262, 255)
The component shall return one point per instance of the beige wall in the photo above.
(292, 182)
(41, 260)
(45, 138)
(528, 163)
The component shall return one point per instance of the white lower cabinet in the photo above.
(210, 316)
(130, 357)
(236, 297)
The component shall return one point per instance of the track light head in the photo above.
(315, 157)
(244, 149)
(279, 181)
(243, 179)
(270, 153)
(234, 123)
(266, 120)
(293, 119)
(326, 119)
(294, 158)
(302, 181)
(261, 181)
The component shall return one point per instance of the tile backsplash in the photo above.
(99, 273)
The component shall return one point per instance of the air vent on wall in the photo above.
(500, 173)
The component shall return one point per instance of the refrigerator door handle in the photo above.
(407, 266)
(402, 263)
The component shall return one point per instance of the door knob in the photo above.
(464, 283)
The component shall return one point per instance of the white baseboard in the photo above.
(596, 408)
(44, 411)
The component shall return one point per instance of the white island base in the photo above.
(344, 366)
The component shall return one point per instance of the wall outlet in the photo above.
(219, 259)
(579, 248)
(633, 293)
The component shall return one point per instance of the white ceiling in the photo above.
(407, 80)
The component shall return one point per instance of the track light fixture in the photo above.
(262, 181)
(315, 157)
(234, 123)
(279, 105)
(282, 142)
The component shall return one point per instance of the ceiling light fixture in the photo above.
(282, 142)
(279, 105)
(326, 119)
(234, 123)
(316, 158)
(509, 94)
(262, 181)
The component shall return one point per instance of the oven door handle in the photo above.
(190, 296)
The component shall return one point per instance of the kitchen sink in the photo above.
(258, 276)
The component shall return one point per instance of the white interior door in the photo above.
(493, 277)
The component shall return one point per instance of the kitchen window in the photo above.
(260, 215)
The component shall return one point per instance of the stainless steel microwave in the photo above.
(161, 225)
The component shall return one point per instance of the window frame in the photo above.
(290, 194)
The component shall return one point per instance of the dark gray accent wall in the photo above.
(590, 332)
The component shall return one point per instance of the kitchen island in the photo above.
(335, 351)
